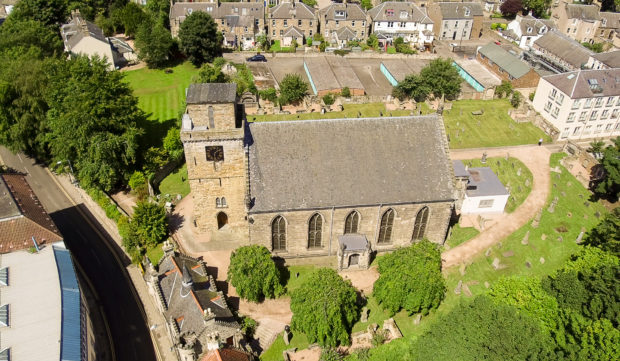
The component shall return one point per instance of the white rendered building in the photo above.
(393, 19)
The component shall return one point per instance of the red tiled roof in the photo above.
(226, 354)
(16, 232)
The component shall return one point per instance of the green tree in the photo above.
(92, 121)
(269, 94)
(586, 339)
(511, 7)
(410, 278)
(263, 42)
(596, 47)
(516, 99)
(596, 146)
(173, 145)
(606, 234)
(539, 7)
(328, 99)
(609, 186)
(442, 78)
(414, 87)
(133, 16)
(610, 5)
(244, 79)
(292, 89)
(200, 40)
(482, 330)
(504, 89)
(325, 308)
(151, 224)
(367, 4)
(254, 274)
(211, 74)
(48, 12)
(311, 3)
(159, 9)
(372, 41)
(402, 47)
(30, 33)
(345, 92)
(153, 43)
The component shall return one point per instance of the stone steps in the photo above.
(265, 335)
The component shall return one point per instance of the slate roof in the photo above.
(296, 10)
(583, 12)
(187, 305)
(293, 31)
(352, 11)
(353, 242)
(610, 58)
(483, 182)
(564, 48)
(22, 216)
(579, 84)
(77, 29)
(311, 164)
(414, 13)
(345, 33)
(211, 93)
(514, 66)
(610, 20)
(459, 169)
(535, 24)
(181, 10)
(454, 10)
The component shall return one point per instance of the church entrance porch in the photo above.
(222, 220)
(353, 251)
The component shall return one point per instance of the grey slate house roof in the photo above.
(514, 66)
(459, 169)
(345, 33)
(455, 10)
(312, 164)
(77, 29)
(212, 93)
(296, 10)
(414, 13)
(352, 12)
(564, 48)
(483, 182)
(582, 12)
(610, 20)
(610, 58)
(587, 83)
(293, 31)
(529, 22)
(252, 10)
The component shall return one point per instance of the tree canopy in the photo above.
(606, 234)
(292, 89)
(325, 308)
(25, 34)
(511, 7)
(200, 40)
(151, 224)
(254, 274)
(609, 186)
(153, 43)
(539, 7)
(438, 78)
(410, 278)
(48, 12)
(483, 330)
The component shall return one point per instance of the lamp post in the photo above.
(72, 175)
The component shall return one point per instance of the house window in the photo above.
(281, 32)
(548, 107)
(614, 114)
(310, 22)
(310, 33)
(565, 132)
(315, 226)
(273, 22)
(485, 203)
(529, 29)
(4, 316)
(353, 23)
(593, 115)
(273, 32)
(599, 102)
(467, 12)
(385, 229)
(403, 25)
(390, 24)
(456, 24)
(560, 99)
(389, 12)
(553, 93)
(588, 103)
(337, 22)
(222, 21)
(4, 276)
(605, 114)
(576, 104)
(419, 227)
(278, 234)
(215, 153)
(608, 127)
(610, 101)
(256, 22)
(285, 22)
(599, 128)
(576, 130)
(351, 222)
(403, 14)
(218, 202)
(571, 117)
(582, 116)
(555, 112)
(299, 22)
(588, 130)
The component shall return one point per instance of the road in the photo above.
(99, 259)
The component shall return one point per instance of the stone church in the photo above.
(315, 188)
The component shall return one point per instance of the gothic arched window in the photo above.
(385, 230)
(351, 222)
(315, 226)
(224, 202)
(278, 234)
(419, 228)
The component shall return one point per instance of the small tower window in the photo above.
(218, 202)
(224, 202)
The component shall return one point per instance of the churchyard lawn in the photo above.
(494, 128)
(461, 234)
(175, 183)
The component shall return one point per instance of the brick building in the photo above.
(296, 187)
(507, 66)
(291, 20)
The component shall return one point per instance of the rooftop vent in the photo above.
(570, 76)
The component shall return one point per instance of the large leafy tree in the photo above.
(410, 278)
(325, 308)
(442, 78)
(200, 40)
(414, 87)
(150, 223)
(48, 12)
(254, 274)
(606, 234)
(511, 7)
(609, 186)
(133, 16)
(92, 121)
(153, 43)
(292, 89)
(539, 7)
(210, 73)
(483, 330)
(587, 339)
(30, 33)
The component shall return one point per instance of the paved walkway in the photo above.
(537, 160)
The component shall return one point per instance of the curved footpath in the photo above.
(537, 160)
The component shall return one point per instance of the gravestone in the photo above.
(579, 238)
(586, 203)
(287, 335)
(508, 156)
(486, 284)
(519, 172)
(496, 265)
(536, 221)
(417, 319)
(554, 203)
(508, 254)
(483, 160)
(528, 264)
(542, 260)
(526, 239)
(459, 286)
(597, 214)
(488, 252)
(563, 194)
(364, 317)
(527, 182)
(543, 237)
(466, 291)
(462, 269)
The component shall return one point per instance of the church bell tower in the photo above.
(212, 136)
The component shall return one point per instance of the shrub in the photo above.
(516, 99)
(269, 94)
(531, 96)
(346, 92)
(328, 99)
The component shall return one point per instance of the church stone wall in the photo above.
(334, 222)
(223, 115)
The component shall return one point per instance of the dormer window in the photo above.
(604, 22)
(210, 8)
(529, 29)
(542, 30)
(340, 13)
(404, 14)
(467, 12)
(389, 12)
(189, 11)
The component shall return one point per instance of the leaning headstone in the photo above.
(496, 265)
(508, 254)
(487, 284)
(483, 160)
(287, 335)
(519, 172)
(542, 260)
(417, 319)
(528, 264)
(536, 221)
(543, 237)
(579, 238)
(364, 317)
(466, 291)
(526, 239)
(462, 269)
(459, 286)
(488, 252)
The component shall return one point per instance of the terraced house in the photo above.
(239, 22)
(343, 22)
(393, 19)
(292, 20)
(579, 22)
(456, 21)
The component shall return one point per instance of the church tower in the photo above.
(212, 136)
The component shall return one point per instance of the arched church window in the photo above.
(315, 226)
(351, 222)
(419, 227)
(278, 234)
(218, 202)
(224, 202)
(385, 229)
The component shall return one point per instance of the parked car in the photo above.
(257, 57)
(498, 43)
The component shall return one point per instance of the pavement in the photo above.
(94, 243)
